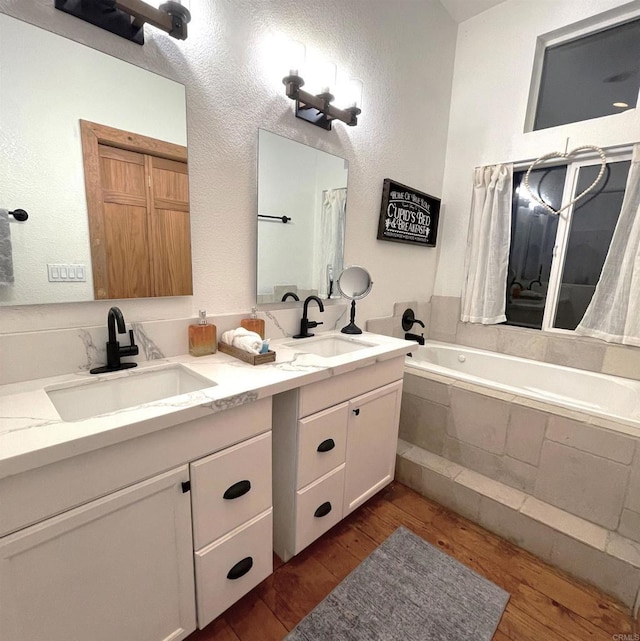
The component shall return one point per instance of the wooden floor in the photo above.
(545, 603)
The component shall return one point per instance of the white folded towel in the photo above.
(243, 339)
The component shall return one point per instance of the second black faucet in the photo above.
(305, 323)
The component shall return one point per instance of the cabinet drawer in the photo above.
(230, 567)
(319, 507)
(321, 443)
(229, 488)
(318, 396)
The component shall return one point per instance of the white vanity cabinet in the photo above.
(334, 445)
(119, 567)
(116, 543)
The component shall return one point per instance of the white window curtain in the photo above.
(614, 312)
(331, 249)
(487, 257)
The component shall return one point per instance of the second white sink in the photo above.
(118, 391)
(328, 346)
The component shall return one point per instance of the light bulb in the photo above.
(322, 75)
(293, 54)
(353, 97)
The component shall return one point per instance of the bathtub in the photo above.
(610, 397)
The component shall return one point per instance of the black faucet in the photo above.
(408, 321)
(294, 296)
(114, 351)
(414, 337)
(305, 323)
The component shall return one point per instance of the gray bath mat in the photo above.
(406, 590)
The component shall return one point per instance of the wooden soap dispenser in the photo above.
(253, 323)
(202, 337)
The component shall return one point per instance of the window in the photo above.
(589, 77)
(555, 261)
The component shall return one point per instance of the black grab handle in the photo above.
(326, 446)
(237, 490)
(323, 510)
(240, 568)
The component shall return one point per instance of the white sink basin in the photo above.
(118, 391)
(328, 346)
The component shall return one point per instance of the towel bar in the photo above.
(284, 219)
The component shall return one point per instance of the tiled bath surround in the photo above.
(563, 457)
(559, 482)
(588, 551)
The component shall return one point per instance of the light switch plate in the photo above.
(66, 273)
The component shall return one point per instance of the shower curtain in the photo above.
(331, 238)
(487, 256)
(614, 312)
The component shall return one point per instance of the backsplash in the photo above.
(442, 318)
(28, 355)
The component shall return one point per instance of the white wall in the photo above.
(48, 84)
(494, 61)
(402, 50)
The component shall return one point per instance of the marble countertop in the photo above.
(32, 433)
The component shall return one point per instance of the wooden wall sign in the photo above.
(408, 215)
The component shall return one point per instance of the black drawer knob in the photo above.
(356, 412)
(326, 446)
(323, 510)
(240, 568)
(237, 490)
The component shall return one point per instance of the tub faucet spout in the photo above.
(414, 337)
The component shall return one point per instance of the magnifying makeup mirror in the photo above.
(354, 283)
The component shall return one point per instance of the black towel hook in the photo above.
(19, 214)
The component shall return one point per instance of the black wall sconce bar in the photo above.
(317, 109)
(126, 18)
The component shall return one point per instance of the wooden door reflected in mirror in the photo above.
(138, 207)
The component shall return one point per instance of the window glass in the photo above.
(592, 223)
(596, 75)
(533, 235)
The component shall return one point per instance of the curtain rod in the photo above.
(519, 164)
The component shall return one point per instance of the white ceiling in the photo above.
(461, 10)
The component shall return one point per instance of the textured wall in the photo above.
(404, 53)
(494, 60)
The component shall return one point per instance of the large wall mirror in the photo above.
(307, 188)
(48, 86)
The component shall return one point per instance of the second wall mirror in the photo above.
(302, 202)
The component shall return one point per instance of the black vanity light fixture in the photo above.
(317, 108)
(126, 18)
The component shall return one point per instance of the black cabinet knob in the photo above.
(357, 412)
(237, 490)
(240, 568)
